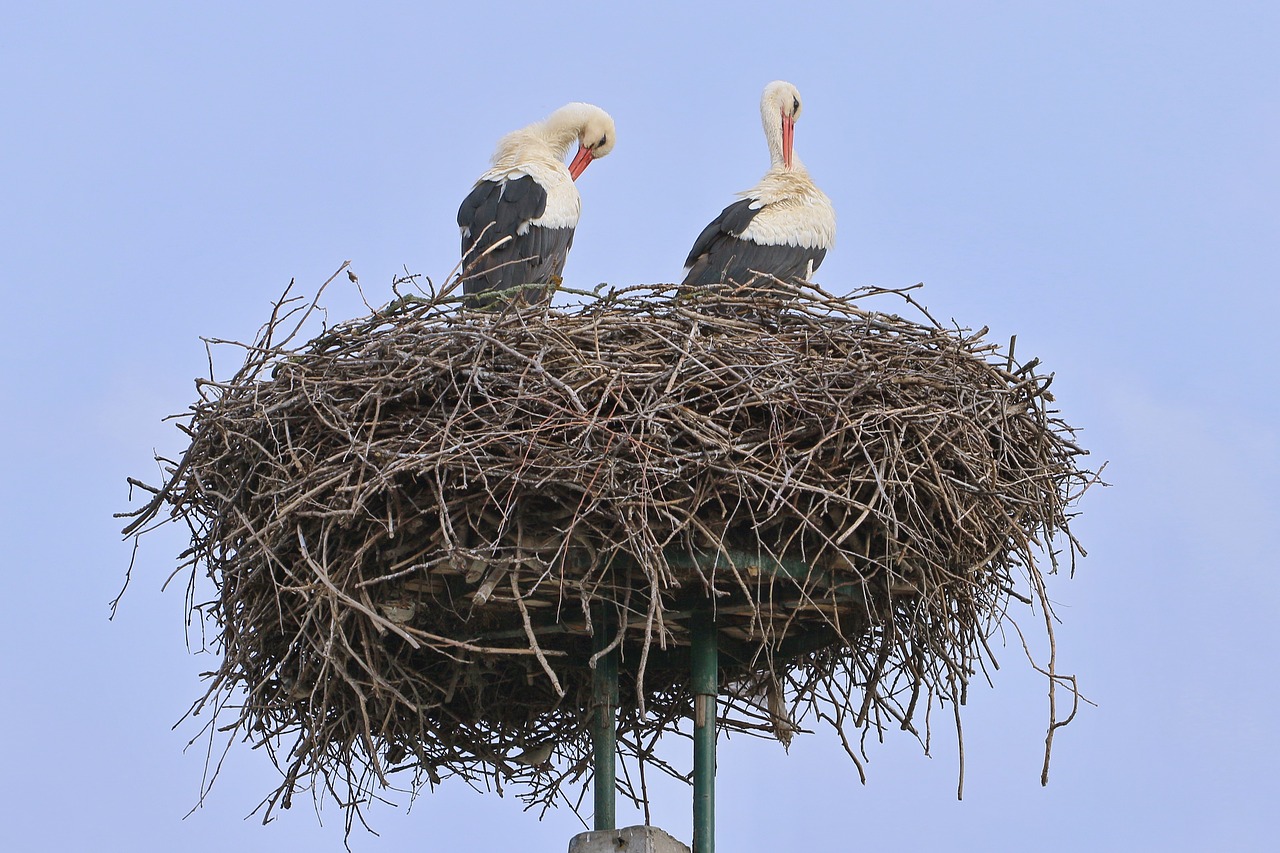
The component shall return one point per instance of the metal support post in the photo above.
(705, 684)
(604, 732)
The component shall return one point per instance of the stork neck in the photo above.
(562, 128)
(776, 161)
(772, 121)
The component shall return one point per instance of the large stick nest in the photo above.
(416, 522)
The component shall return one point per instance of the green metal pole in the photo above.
(604, 732)
(705, 687)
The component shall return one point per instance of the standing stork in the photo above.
(782, 226)
(517, 223)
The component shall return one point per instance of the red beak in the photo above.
(581, 161)
(788, 138)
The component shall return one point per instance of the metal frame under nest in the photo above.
(417, 521)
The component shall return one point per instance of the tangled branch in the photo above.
(414, 521)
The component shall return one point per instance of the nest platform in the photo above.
(416, 524)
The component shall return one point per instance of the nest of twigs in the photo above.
(416, 521)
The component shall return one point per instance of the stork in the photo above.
(783, 226)
(517, 222)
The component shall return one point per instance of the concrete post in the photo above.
(630, 839)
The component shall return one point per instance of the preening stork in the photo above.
(783, 226)
(517, 223)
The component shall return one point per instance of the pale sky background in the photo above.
(1098, 178)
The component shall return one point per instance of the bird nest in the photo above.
(418, 524)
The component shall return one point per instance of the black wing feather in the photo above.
(720, 254)
(732, 221)
(546, 250)
(495, 255)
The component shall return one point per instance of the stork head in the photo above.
(596, 136)
(779, 109)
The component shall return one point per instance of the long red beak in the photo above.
(581, 161)
(788, 138)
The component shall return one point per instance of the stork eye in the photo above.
(795, 105)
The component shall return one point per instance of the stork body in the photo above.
(517, 222)
(782, 227)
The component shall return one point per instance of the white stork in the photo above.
(517, 223)
(782, 226)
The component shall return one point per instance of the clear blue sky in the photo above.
(1099, 178)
